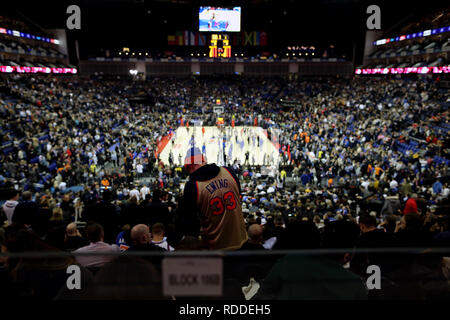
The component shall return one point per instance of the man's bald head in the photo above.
(255, 232)
(71, 229)
(140, 234)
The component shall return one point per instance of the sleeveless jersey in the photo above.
(218, 199)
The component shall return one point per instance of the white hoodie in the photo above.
(9, 207)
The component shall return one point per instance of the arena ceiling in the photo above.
(145, 24)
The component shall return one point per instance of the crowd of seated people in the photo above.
(367, 159)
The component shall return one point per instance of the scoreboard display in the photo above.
(216, 19)
(220, 46)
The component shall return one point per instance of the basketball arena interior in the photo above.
(247, 151)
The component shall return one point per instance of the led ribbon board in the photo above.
(11, 69)
(27, 35)
(425, 33)
(420, 70)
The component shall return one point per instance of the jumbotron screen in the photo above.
(216, 19)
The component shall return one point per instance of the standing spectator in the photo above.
(57, 219)
(135, 193)
(67, 208)
(371, 237)
(26, 211)
(411, 205)
(393, 185)
(405, 188)
(144, 191)
(107, 214)
(10, 205)
(157, 211)
(132, 213)
(139, 170)
(437, 187)
(212, 193)
(44, 214)
(114, 158)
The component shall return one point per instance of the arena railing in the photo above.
(319, 274)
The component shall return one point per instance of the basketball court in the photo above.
(223, 145)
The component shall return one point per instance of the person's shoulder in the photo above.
(229, 169)
(83, 249)
(114, 247)
(81, 240)
(146, 247)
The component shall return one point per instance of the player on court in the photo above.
(212, 204)
(192, 141)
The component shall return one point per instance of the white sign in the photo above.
(185, 276)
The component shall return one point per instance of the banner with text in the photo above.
(192, 38)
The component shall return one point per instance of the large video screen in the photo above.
(217, 19)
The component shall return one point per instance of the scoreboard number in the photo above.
(220, 46)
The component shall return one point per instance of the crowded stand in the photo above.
(420, 43)
(115, 175)
(28, 47)
(374, 149)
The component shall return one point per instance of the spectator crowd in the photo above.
(363, 164)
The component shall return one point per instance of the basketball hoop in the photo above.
(219, 110)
